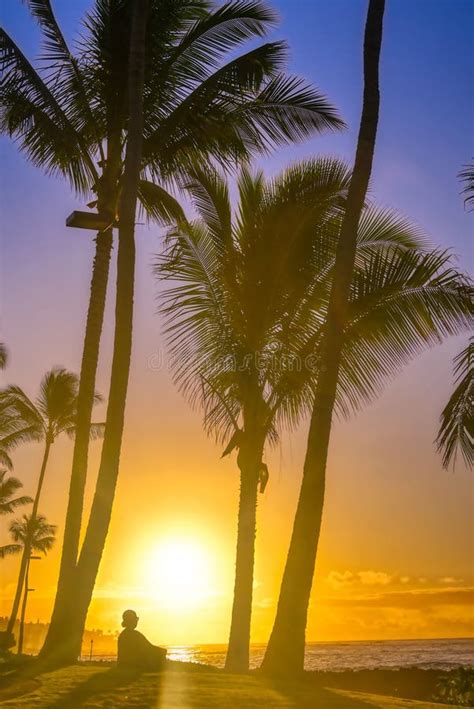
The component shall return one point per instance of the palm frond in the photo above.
(63, 72)
(467, 177)
(158, 204)
(9, 550)
(456, 431)
(401, 304)
(30, 113)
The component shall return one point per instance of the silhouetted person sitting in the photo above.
(135, 652)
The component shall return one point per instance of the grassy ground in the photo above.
(182, 688)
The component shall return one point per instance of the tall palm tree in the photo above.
(52, 413)
(285, 651)
(68, 642)
(457, 419)
(224, 315)
(70, 117)
(9, 486)
(245, 311)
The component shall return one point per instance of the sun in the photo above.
(180, 574)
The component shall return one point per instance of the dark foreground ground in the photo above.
(184, 686)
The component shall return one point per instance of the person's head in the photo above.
(129, 620)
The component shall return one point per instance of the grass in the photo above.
(182, 687)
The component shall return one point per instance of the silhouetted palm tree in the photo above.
(439, 305)
(245, 309)
(70, 117)
(35, 533)
(285, 651)
(225, 313)
(67, 641)
(457, 420)
(32, 534)
(9, 486)
(52, 413)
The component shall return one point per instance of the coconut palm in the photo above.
(52, 413)
(9, 486)
(32, 534)
(433, 302)
(299, 569)
(457, 420)
(35, 533)
(69, 642)
(69, 115)
(224, 314)
(245, 308)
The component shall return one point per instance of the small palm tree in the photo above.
(8, 487)
(36, 534)
(28, 534)
(457, 420)
(52, 413)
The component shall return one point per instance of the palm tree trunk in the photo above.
(90, 356)
(83, 579)
(25, 557)
(21, 631)
(249, 461)
(285, 651)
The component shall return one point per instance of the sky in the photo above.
(395, 557)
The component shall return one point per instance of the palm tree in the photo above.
(440, 305)
(226, 310)
(285, 651)
(9, 486)
(245, 310)
(457, 420)
(70, 117)
(91, 552)
(52, 413)
(32, 534)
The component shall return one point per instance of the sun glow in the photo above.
(180, 572)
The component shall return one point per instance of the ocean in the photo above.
(383, 654)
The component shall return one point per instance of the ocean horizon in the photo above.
(333, 656)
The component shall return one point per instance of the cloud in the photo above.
(374, 578)
(341, 579)
(417, 599)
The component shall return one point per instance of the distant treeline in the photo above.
(104, 643)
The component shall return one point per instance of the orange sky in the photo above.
(396, 549)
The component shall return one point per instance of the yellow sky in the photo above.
(395, 554)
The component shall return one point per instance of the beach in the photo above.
(194, 686)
